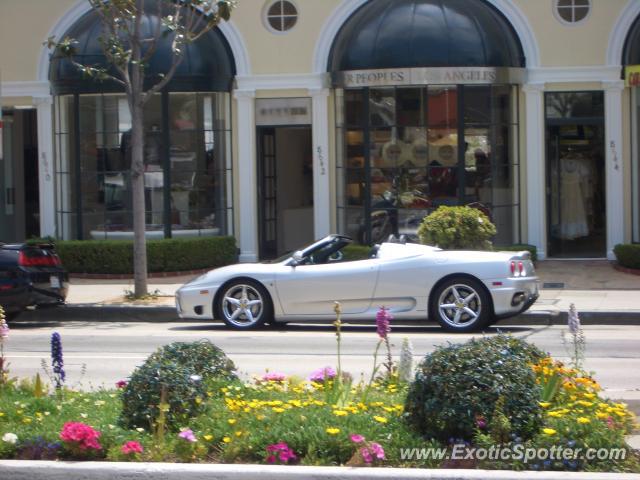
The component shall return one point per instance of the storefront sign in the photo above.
(632, 76)
(283, 111)
(428, 76)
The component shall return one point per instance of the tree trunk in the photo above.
(137, 191)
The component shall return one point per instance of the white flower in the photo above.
(11, 438)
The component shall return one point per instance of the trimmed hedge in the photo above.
(628, 254)
(518, 248)
(355, 252)
(169, 255)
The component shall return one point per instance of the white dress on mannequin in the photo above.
(573, 213)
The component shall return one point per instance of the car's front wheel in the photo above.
(461, 304)
(244, 304)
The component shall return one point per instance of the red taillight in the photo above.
(25, 260)
(521, 268)
(513, 268)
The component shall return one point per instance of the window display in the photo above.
(409, 150)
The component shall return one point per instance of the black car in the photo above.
(30, 275)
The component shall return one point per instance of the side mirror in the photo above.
(297, 257)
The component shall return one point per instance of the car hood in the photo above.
(222, 274)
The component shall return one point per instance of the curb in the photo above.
(159, 314)
(45, 470)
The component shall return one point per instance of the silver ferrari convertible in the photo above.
(461, 290)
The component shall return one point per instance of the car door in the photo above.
(313, 289)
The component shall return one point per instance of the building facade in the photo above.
(299, 118)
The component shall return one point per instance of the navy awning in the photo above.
(385, 34)
(208, 63)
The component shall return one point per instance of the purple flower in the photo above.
(383, 320)
(4, 329)
(56, 360)
(355, 438)
(188, 435)
(322, 374)
(121, 383)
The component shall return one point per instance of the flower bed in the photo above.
(325, 419)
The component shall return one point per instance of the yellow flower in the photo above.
(583, 420)
(239, 433)
(602, 415)
(226, 439)
(278, 409)
(544, 404)
(208, 437)
(332, 431)
(555, 414)
(340, 413)
(380, 419)
(232, 421)
(548, 431)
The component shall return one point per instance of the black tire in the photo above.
(461, 304)
(10, 316)
(235, 307)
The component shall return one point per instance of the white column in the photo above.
(46, 166)
(246, 177)
(321, 176)
(613, 170)
(534, 163)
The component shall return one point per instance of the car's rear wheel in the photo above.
(461, 304)
(11, 316)
(244, 304)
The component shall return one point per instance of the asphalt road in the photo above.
(109, 351)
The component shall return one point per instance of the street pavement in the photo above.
(109, 351)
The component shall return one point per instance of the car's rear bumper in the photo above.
(35, 288)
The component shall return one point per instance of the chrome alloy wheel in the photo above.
(242, 305)
(459, 305)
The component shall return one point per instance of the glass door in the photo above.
(575, 174)
(7, 186)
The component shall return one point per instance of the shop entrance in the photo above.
(19, 193)
(575, 174)
(285, 189)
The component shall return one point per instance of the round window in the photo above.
(281, 16)
(572, 11)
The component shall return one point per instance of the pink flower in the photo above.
(121, 383)
(357, 438)
(366, 455)
(383, 322)
(280, 451)
(322, 374)
(131, 448)
(377, 450)
(80, 435)
(188, 435)
(274, 377)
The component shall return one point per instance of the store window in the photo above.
(405, 151)
(281, 16)
(187, 162)
(572, 11)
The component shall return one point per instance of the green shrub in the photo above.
(169, 255)
(457, 384)
(356, 252)
(628, 254)
(457, 228)
(183, 370)
(518, 248)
